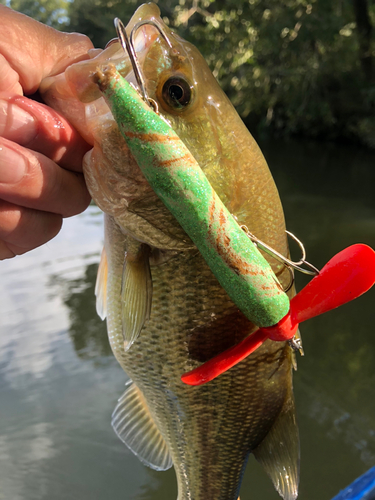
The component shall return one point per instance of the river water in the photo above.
(59, 381)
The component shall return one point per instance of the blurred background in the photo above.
(301, 74)
(290, 67)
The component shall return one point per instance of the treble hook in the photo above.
(289, 264)
(128, 46)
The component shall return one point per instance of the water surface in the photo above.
(59, 381)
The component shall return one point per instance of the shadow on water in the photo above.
(87, 331)
(162, 486)
(325, 170)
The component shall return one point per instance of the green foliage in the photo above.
(95, 18)
(289, 66)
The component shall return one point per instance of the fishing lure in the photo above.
(177, 179)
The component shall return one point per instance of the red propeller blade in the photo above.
(222, 362)
(345, 277)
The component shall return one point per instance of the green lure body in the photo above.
(177, 179)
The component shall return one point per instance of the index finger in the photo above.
(35, 51)
(40, 128)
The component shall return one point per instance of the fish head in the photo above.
(180, 82)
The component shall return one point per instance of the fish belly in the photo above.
(209, 430)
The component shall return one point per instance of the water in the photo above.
(59, 382)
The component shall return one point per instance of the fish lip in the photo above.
(79, 76)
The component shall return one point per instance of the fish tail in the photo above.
(279, 452)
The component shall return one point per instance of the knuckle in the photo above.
(24, 228)
(79, 197)
(5, 251)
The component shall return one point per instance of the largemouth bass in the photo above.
(158, 293)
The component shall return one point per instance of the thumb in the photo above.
(34, 51)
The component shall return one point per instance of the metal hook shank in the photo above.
(128, 46)
(129, 49)
(313, 271)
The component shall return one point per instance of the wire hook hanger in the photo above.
(288, 263)
(127, 44)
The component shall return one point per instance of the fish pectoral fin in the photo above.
(136, 294)
(101, 286)
(279, 453)
(134, 425)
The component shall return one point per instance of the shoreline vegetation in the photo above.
(302, 68)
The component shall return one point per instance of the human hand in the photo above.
(41, 179)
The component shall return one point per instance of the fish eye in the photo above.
(177, 92)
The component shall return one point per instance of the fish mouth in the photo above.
(79, 76)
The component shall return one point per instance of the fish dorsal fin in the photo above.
(278, 453)
(136, 294)
(134, 425)
(101, 286)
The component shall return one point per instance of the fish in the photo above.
(166, 312)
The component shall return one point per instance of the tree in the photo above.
(95, 18)
(364, 32)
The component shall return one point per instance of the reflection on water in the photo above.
(88, 334)
(59, 382)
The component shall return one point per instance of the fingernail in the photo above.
(16, 123)
(12, 165)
